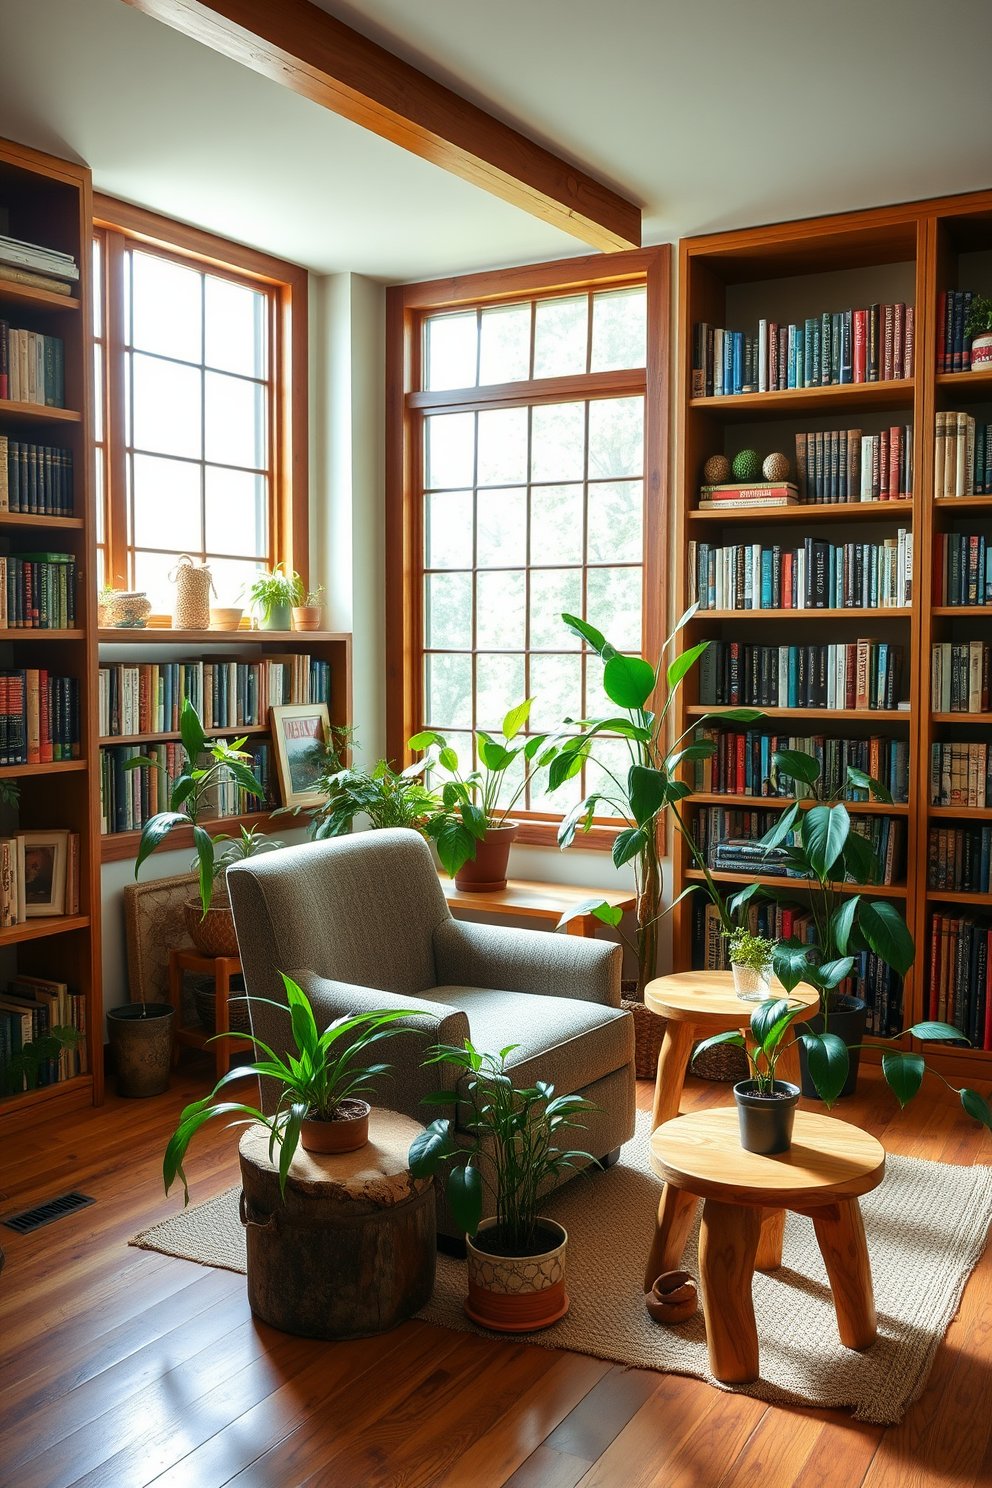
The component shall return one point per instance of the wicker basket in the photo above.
(205, 1001)
(724, 1063)
(213, 934)
(649, 1030)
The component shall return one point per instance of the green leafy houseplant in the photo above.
(316, 1082)
(514, 1149)
(651, 785)
(752, 951)
(275, 591)
(979, 321)
(388, 798)
(21, 1070)
(770, 1022)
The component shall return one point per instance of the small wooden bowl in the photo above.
(673, 1298)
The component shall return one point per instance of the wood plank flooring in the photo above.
(121, 1368)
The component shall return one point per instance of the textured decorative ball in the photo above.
(776, 468)
(716, 470)
(746, 466)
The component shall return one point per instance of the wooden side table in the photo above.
(829, 1165)
(698, 1004)
(522, 899)
(221, 968)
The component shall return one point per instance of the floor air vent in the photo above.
(47, 1213)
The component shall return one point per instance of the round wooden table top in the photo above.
(829, 1159)
(708, 999)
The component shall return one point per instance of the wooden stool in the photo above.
(828, 1166)
(221, 968)
(351, 1252)
(698, 1004)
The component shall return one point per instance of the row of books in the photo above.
(129, 797)
(959, 676)
(953, 344)
(729, 839)
(962, 456)
(837, 465)
(742, 764)
(962, 569)
(960, 774)
(960, 968)
(39, 717)
(32, 367)
(864, 674)
(30, 1009)
(35, 478)
(870, 345)
(960, 858)
(148, 698)
(871, 980)
(817, 576)
(37, 591)
(39, 876)
(30, 263)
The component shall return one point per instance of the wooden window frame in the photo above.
(286, 287)
(407, 308)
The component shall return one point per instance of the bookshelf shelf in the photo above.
(969, 813)
(36, 411)
(53, 767)
(825, 715)
(750, 407)
(958, 896)
(212, 733)
(30, 294)
(41, 929)
(961, 610)
(797, 885)
(24, 519)
(16, 634)
(845, 511)
(116, 847)
(985, 718)
(891, 612)
(156, 636)
(980, 381)
(753, 803)
(962, 503)
(20, 1111)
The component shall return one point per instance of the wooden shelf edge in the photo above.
(58, 766)
(31, 294)
(808, 511)
(118, 847)
(894, 612)
(751, 803)
(32, 519)
(806, 397)
(39, 411)
(40, 928)
(211, 733)
(886, 891)
(960, 718)
(14, 633)
(958, 896)
(161, 637)
(20, 1111)
(975, 813)
(697, 710)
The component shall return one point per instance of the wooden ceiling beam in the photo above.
(302, 47)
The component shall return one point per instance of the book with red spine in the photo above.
(934, 994)
(895, 464)
(860, 358)
(883, 465)
(772, 357)
(909, 342)
(941, 337)
(35, 699)
(939, 541)
(787, 581)
(850, 674)
(45, 718)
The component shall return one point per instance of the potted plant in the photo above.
(472, 827)
(320, 1105)
(306, 612)
(751, 962)
(274, 595)
(979, 327)
(516, 1259)
(212, 927)
(384, 796)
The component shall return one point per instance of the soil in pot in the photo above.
(766, 1121)
(517, 1294)
(848, 1022)
(486, 872)
(141, 1047)
(346, 1133)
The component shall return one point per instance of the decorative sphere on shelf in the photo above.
(776, 468)
(716, 470)
(746, 466)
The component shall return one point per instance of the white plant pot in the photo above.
(981, 351)
(751, 985)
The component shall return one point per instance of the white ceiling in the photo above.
(710, 113)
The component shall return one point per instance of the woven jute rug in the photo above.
(926, 1227)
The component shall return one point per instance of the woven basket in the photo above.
(193, 585)
(724, 1063)
(205, 1000)
(649, 1030)
(213, 935)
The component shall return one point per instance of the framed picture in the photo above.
(299, 733)
(43, 859)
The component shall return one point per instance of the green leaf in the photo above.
(591, 636)
(493, 755)
(869, 783)
(976, 1106)
(582, 812)
(781, 829)
(567, 764)
(455, 843)
(474, 818)
(904, 1073)
(685, 663)
(739, 901)
(628, 844)
(430, 1147)
(930, 1029)
(142, 762)
(609, 914)
(735, 715)
(828, 1063)
(203, 843)
(830, 974)
(841, 922)
(860, 861)
(448, 759)
(465, 1197)
(191, 731)
(425, 739)
(796, 764)
(516, 718)
(825, 829)
(766, 1017)
(735, 1038)
(790, 963)
(290, 1141)
(646, 789)
(887, 934)
(155, 829)
(628, 681)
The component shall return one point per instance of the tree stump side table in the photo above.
(352, 1251)
(829, 1165)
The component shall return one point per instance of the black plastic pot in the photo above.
(141, 1047)
(848, 1022)
(766, 1120)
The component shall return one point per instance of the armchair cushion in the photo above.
(530, 961)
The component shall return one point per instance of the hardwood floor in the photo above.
(125, 1369)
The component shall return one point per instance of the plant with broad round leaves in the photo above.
(770, 1021)
(512, 1150)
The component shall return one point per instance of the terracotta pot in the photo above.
(214, 935)
(517, 1294)
(225, 619)
(141, 1047)
(486, 872)
(981, 351)
(346, 1134)
(306, 617)
(766, 1121)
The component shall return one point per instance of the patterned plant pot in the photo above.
(517, 1294)
(213, 934)
(981, 351)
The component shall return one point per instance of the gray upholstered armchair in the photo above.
(361, 923)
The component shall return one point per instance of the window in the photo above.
(195, 418)
(527, 443)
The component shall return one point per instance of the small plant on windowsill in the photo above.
(308, 609)
(274, 595)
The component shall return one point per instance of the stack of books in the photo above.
(744, 493)
(129, 797)
(864, 674)
(817, 576)
(29, 1009)
(959, 858)
(742, 764)
(959, 677)
(960, 968)
(838, 465)
(953, 346)
(962, 456)
(962, 569)
(960, 775)
(37, 591)
(148, 698)
(35, 478)
(730, 841)
(38, 267)
(870, 345)
(32, 367)
(39, 717)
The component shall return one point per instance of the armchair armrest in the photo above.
(509, 960)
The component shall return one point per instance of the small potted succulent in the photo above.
(979, 327)
(274, 596)
(307, 611)
(321, 1106)
(516, 1259)
(751, 962)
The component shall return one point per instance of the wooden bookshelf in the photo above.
(50, 203)
(920, 249)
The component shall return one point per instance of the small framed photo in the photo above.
(43, 860)
(299, 734)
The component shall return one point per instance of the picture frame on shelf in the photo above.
(43, 864)
(299, 733)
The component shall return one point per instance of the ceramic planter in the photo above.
(516, 1294)
(486, 872)
(213, 934)
(277, 617)
(225, 619)
(766, 1121)
(141, 1047)
(981, 351)
(752, 983)
(347, 1134)
(306, 617)
(848, 1022)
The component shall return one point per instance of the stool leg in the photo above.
(769, 1256)
(673, 1061)
(675, 1215)
(840, 1235)
(222, 1015)
(175, 997)
(728, 1243)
